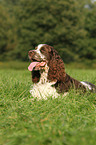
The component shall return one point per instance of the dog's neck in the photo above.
(44, 75)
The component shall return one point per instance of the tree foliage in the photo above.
(65, 24)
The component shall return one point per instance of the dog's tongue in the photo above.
(33, 64)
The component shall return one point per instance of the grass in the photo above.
(18, 65)
(69, 120)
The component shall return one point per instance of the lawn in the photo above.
(69, 120)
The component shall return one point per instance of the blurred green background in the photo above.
(68, 25)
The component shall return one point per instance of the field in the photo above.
(69, 120)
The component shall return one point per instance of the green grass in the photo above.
(69, 120)
(18, 65)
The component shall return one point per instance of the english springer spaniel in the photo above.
(48, 74)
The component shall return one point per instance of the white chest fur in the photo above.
(43, 91)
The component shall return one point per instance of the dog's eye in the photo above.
(42, 49)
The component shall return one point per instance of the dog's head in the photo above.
(40, 56)
(46, 59)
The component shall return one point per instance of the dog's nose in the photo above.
(31, 52)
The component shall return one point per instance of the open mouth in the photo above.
(35, 64)
(36, 60)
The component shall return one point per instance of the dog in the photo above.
(48, 74)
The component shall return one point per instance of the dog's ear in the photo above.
(52, 52)
(35, 76)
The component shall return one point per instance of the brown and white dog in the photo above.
(48, 74)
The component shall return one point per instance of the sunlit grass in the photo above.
(69, 120)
